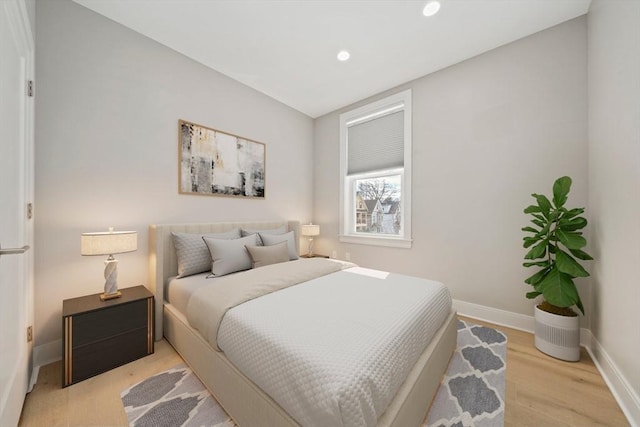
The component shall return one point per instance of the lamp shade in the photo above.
(108, 242)
(310, 230)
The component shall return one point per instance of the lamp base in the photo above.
(105, 296)
(310, 253)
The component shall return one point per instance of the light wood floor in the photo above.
(541, 391)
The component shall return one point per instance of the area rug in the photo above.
(471, 394)
(173, 398)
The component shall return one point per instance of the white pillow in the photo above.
(191, 252)
(229, 256)
(272, 239)
(247, 232)
(267, 255)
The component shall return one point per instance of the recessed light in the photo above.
(431, 8)
(343, 55)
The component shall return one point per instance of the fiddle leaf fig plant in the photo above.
(555, 243)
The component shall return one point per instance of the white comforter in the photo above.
(334, 351)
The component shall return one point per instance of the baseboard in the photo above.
(624, 394)
(34, 378)
(46, 353)
(512, 320)
(495, 315)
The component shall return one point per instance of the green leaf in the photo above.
(572, 213)
(537, 277)
(580, 254)
(530, 229)
(561, 190)
(539, 223)
(532, 209)
(528, 241)
(545, 229)
(558, 289)
(538, 251)
(536, 263)
(544, 203)
(571, 240)
(568, 265)
(539, 217)
(572, 224)
(534, 294)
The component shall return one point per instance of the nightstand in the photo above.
(314, 256)
(101, 335)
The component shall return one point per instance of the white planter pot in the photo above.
(558, 336)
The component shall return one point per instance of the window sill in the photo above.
(392, 242)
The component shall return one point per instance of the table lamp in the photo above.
(310, 230)
(109, 243)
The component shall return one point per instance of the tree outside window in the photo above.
(378, 205)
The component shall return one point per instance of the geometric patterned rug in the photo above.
(172, 398)
(471, 393)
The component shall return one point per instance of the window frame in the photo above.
(399, 101)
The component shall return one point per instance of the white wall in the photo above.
(614, 190)
(31, 12)
(108, 102)
(487, 133)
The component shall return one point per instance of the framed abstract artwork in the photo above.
(216, 163)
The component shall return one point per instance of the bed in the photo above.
(246, 402)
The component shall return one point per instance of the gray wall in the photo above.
(614, 186)
(107, 109)
(487, 133)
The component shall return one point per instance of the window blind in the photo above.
(376, 144)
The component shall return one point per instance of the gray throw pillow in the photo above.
(192, 253)
(229, 256)
(266, 255)
(247, 232)
(272, 239)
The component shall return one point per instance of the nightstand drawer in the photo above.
(98, 325)
(94, 359)
(100, 335)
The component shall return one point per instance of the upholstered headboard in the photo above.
(162, 255)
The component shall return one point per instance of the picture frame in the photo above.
(212, 162)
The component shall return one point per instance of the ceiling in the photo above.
(287, 48)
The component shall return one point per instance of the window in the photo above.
(375, 173)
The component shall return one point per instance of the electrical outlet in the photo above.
(347, 256)
(334, 254)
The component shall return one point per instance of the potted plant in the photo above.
(556, 244)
